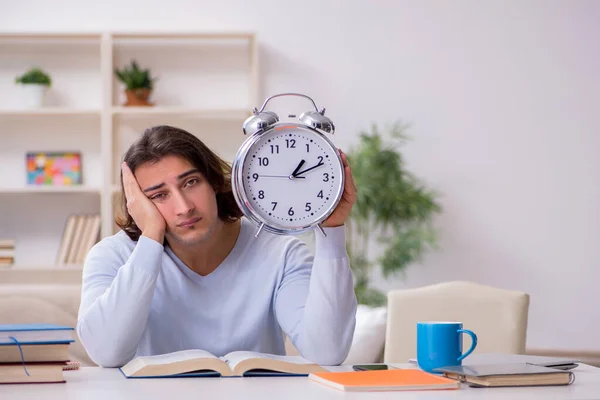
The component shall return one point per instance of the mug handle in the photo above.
(473, 342)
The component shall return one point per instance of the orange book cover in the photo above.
(388, 380)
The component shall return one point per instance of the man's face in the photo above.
(183, 196)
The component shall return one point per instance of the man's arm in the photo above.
(116, 299)
(317, 308)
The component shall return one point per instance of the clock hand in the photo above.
(298, 168)
(306, 170)
(277, 176)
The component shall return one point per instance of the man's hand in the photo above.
(344, 207)
(142, 210)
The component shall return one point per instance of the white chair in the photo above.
(497, 316)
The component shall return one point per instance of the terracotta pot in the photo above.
(138, 97)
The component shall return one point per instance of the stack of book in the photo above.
(80, 234)
(7, 252)
(34, 353)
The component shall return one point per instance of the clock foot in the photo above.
(321, 230)
(259, 229)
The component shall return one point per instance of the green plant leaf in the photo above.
(34, 76)
(393, 206)
(135, 78)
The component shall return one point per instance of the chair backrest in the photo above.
(497, 316)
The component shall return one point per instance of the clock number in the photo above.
(325, 177)
(255, 176)
(263, 161)
(320, 159)
(274, 205)
(261, 194)
(290, 143)
(291, 211)
(308, 208)
(307, 148)
(320, 194)
(275, 149)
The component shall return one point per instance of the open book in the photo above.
(202, 363)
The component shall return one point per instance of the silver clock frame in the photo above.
(237, 177)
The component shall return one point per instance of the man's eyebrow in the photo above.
(190, 172)
(151, 188)
(179, 177)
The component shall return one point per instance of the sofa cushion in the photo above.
(368, 340)
(369, 335)
(37, 303)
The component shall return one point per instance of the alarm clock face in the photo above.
(291, 178)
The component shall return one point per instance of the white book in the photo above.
(67, 238)
(80, 222)
(90, 237)
(203, 363)
(7, 253)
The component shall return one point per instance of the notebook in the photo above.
(383, 380)
(497, 358)
(508, 374)
(35, 333)
(198, 363)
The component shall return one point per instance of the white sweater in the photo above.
(138, 298)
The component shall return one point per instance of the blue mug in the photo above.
(439, 344)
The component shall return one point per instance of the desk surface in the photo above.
(109, 384)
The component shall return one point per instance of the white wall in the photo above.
(503, 97)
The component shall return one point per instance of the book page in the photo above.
(177, 356)
(179, 362)
(235, 357)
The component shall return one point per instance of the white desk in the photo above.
(109, 384)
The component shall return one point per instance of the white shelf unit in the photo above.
(207, 83)
(48, 111)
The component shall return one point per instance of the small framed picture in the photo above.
(54, 168)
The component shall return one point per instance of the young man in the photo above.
(186, 272)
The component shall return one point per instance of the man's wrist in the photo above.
(156, 234)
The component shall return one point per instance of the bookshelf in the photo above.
(207, 84)
(61, 111)
(48, 189)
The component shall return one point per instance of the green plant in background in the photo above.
(134, 78)
(34, 76)
(393, 207)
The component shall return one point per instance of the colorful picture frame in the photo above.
(54, 168)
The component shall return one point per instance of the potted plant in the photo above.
(393, 207)
(35, 83)
(138, 84)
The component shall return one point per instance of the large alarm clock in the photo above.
(288, 177)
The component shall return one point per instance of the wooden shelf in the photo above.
(209, 83)
(48, 36)
(183, 35)
(202, 113)
(39, 274)
(64, 111)
(36, 268)
(49, 189)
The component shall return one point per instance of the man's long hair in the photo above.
(163, 140)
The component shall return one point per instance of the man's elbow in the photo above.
(333, 355)
(100, 354)
(108, 358)
(331, 351)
